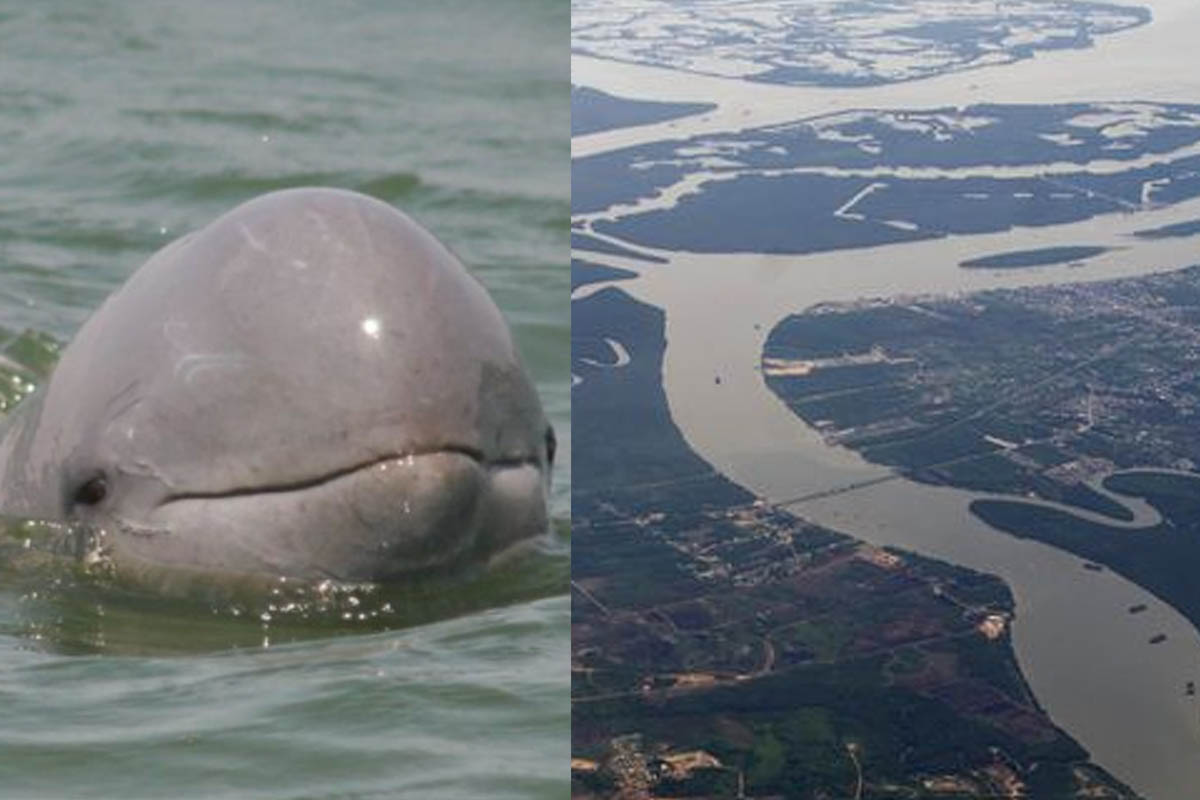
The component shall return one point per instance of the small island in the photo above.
(1179, 229)
(593, 111)
(1040, 257)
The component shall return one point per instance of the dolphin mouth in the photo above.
(472, 453)
(384, 518)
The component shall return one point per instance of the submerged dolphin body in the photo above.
(312, 386)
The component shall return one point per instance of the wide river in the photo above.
(125, 124)
(1086, 658)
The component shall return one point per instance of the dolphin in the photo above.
(310, 387)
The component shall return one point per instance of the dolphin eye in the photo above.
(551, 444)
(92, 492)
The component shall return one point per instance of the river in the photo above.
(1085, 657)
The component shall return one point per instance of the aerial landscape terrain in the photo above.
(721, 642)
(886, 361)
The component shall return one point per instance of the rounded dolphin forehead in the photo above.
(372, 297)
(296, 322)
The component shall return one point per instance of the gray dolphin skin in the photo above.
(310, 387)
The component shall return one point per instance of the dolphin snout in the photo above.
(394, 517)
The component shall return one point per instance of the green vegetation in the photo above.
(1028, 392)
(825, 638)
(984, 659)
(766, 760)
(801, 724)
(906, 661)
(701, 783)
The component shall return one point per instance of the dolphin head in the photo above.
(312, 386)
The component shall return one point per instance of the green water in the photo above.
(124, 125)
